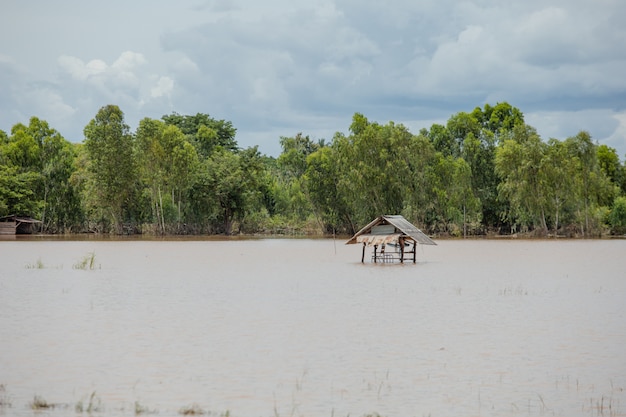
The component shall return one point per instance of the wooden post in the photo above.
(363, 255)
(375, 249)
(414, 250)
(401, 243)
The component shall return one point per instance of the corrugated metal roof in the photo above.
(401, 225)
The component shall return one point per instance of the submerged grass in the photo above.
(36, 265)
(88, 262)
(4, 398)
(142, 409)
(192, 410)
(94, 405)
(39, 403)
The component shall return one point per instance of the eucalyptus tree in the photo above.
(292, 164)
(329, 202)
(109, 146)
(442, 140)
(419, 200)
(610, 164)
(617, 216)
(594, 187)
(517, 163)
(374, 162)
(61, 201)
(166, 164)
(226, 185)
(557, 176)
(498, 119)
(205, 132)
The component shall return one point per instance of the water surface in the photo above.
(302, 328)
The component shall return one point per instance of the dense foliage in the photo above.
(482, 172)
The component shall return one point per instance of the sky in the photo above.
(280, 67)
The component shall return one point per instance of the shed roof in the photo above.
(401, 226)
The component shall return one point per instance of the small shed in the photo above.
(14, 225)
(396, 237)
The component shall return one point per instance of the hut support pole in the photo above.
(363, 254)
(401, 243)
(414, 251)
(375, 249)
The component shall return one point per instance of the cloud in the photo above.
(79, 70)
(123, 73)
(280, 67)
(163, 87)
(618, 137)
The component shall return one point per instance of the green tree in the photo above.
(17, 192)
(292, 164)
(460, 125)
(167, 163)
(594, 188)
(517, 163)
(225, 186)
(204, 132)
(374, 162)
(454, 205)
(557, 171)
(443, 141)
(322, 182)
(617, 217)
(611, 166)
(41, 160)
(109, 146)
(500, 118)
(21, 180)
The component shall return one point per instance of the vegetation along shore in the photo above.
(483, 172)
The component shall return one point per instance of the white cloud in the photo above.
(163, 87)
(78, 69)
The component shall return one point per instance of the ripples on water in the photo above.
(302, 328)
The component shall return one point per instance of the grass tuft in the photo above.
(192, 410)
(94, 405)
(40, 404)
(4, 398)
(140, 409)
(88, 262)
(37, 265)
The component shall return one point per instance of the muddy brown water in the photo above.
(282, 327)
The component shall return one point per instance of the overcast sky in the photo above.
(278, 67)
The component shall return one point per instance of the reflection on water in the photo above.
(302, 328)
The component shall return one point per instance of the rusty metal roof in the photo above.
(401, 227)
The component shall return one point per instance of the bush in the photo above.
(617, 216)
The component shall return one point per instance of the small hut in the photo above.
(396, 237)
(14, 225)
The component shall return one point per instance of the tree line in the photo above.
(483, 172)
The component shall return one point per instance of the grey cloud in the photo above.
(279, 67)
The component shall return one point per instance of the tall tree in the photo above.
(517, 162)
(167, 162)
(594, 187)
(224, 186)
(322, 183)
(41, 160)
(557, 171)
(611, 166)
(204, 132)
(109, 146)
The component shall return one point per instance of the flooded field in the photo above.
(254, 328)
